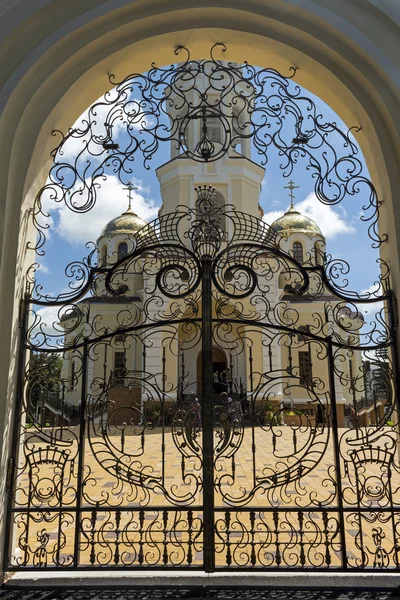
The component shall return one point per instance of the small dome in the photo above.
(126, 223)
(293, 220)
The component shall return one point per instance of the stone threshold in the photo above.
(178, 579)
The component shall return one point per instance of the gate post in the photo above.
(207, 407)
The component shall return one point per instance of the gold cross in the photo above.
(291, 187)
(130, 189)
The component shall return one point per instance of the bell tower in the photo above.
(211, 150)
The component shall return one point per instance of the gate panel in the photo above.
(165, 465)
(293, 455)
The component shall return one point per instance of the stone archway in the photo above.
(65, 69)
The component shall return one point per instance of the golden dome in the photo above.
(126, 223)
(293, 220)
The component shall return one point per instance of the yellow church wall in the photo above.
(244, 195)
(178, 190)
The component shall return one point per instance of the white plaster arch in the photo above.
(56, 57)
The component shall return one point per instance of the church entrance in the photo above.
(201, 399)
(219, 370)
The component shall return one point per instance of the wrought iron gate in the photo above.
(157, 462)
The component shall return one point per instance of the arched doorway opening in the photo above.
(219, 370)
(14, 246)
(220, 284)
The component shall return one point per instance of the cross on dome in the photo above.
(291, 187)
(130, 189)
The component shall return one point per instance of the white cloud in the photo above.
(49, 325)
(111, 201)
(133, 119)
(370, 311)
(271, 216)
(78, 143)
(331, 221)
(374, 290)
(42, 268)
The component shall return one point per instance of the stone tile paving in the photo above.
(196, 593)
(315, 482)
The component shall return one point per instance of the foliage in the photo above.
(152, 415)
(267, 414)
(44, 373)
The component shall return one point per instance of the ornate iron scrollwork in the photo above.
(156, 461)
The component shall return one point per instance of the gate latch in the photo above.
(10, 472)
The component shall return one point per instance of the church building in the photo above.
(296, 362)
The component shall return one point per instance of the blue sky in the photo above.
(346, 234)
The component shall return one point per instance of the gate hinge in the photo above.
(10, 472)
(21, 313)
(395, 310)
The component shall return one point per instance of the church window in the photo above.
(73, 371)
(238, 127)
(214, 130)
(122, 250)
(303, 329)
(104, 255)
(220, 204)
(305, 368)
(119, 364)
(298, 252)
(320, 256)
(182, 139)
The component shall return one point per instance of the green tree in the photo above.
(44, 374)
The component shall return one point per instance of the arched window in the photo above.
(298, 252)
(238, 127)
(73, 376)
(220, 203)
(319, 252)
(214, 132)
(104, 255)
(122, 250)
(305, 368)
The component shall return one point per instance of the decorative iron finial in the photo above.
(206, 233)
(205, 193)
(291, 187)
(130, 189)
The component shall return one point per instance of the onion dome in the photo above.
(127, 223)
(293, 221)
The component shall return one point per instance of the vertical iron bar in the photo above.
(60, 516)
(393, 328)
(230, 382)
(392, 514)
(62, 408)
(253, 416)
(335, 435)
(81, 451)
(143, 420)
(105, 359)
(15, 429)
(353, 391)
(207, 418)
(163, 418)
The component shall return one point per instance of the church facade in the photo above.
(236, 180)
